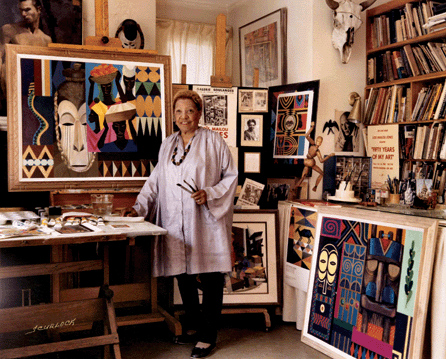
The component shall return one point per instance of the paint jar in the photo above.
(102, 204)
(394, 198)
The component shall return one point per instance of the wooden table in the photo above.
(74, 309)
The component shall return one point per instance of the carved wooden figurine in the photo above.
(310, 162)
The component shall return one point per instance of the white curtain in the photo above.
(192, 44)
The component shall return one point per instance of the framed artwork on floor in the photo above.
(369, 284)
(255, 260)
(82, 118)
(263, 46)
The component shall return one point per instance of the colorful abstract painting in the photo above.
(365, 284)
(89, 118)
(292, 123)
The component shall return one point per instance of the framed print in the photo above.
(293, 121)
(82, 118)
(251, 130)
(347, 135)
(219, 111)
(252, 162)
(263, 46)
(369, 284)
(59, 21)
(250, 100)
(254, 277)
(283, 166)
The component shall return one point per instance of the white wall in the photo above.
(142, 11)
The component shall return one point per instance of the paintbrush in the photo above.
(187, 190)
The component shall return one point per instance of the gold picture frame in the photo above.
(37, 158)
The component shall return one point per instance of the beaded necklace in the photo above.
(186, 151)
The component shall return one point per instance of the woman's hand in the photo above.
(200, 197)
(129, 212)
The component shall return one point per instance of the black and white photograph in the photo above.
(251, 130)
(348, 137)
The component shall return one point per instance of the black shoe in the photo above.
(186, 339)
(198, 352)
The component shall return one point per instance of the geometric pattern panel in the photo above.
(118, 169)
(38, 161)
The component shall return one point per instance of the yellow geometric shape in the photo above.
(154, 76)
(140, 106)
(157, 106)
(142, 76)
(150, 107)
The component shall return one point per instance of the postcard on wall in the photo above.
(252, 162)
(252, 100)
(251, 193)
(294, 111)
(219, 111)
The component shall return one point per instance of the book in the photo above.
(440, 102)
(392, 73)
(371, 103)
(419, 142)
(417, 22)
(409, 140)
(411, 24)
(431, 144)
(435, 97)
(421, 60)
(411, 59)
(437, 141)
(431, 61)
(399, 64)
(420, 98)
(379, 106)
(406, 63)
(438, 54)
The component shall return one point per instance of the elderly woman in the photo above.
(191, 193)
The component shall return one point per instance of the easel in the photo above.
(221, 80)
(133, 292)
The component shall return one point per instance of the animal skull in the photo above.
(346, 21)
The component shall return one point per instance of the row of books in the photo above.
(430, 104)
(401, 24)
(387, 105)
(433, 173)
(437, 21)
(408, 61)
(423, 142)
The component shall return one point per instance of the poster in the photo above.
(383, 148)
(219, 111)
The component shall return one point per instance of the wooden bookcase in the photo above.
(412, 84)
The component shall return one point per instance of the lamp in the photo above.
(355, 115)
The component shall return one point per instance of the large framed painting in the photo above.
(263, 46)
(81, 118)
(255, 260)
(369, 285)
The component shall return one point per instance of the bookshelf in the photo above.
(406, 80)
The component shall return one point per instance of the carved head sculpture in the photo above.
(346, 21)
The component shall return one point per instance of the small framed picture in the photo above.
(252, 162)
(251, 130)
(252, 100)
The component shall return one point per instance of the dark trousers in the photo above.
(204, 320)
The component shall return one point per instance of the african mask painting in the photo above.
(364, 286)
(89, 118)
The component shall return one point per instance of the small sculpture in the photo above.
(310, 162)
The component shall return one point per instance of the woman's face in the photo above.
(186, 115)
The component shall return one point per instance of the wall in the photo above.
(142, 11)
(311, 56)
